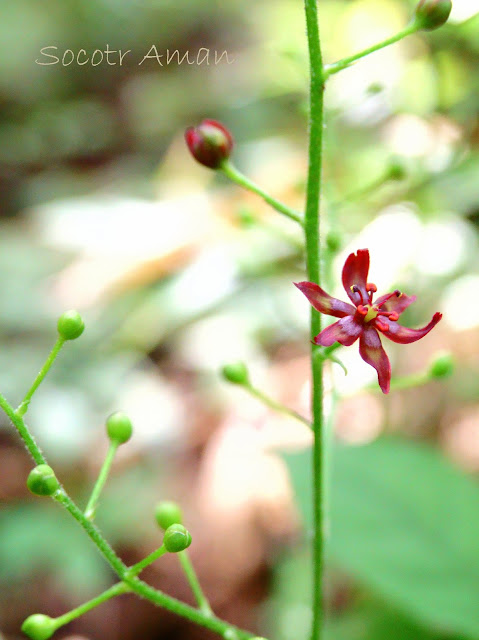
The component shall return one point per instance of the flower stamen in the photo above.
(371, 289)
(356, 289)
(396, 293)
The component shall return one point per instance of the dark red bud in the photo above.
(210, 143)
(431, 14)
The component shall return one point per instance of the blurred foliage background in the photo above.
(177, 272)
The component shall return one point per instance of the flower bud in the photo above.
(333, 241)
(119, 427)
(39, 626)
(70, 325)
(168, 513)
(42, 480)
(431, 14)
(442, 366)
(236, 373)
(176, 538)
(246, 218)
(210, 143)
(397, 169)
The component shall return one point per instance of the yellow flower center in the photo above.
(371, 314)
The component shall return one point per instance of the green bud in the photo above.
(431, 14)
(375, 88)
(39, 626)
(236, 373)
(442, 366)
(119, 427)
(176, 538)
(246, 218)
(397, 169)
(70, 325)
(168, 513)
(42, 480)
(333, 241)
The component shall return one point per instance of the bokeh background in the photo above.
(178, 272)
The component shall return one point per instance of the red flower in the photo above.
(364, 319)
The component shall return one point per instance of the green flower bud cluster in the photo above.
(169, 517)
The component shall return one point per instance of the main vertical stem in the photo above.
(313, 264)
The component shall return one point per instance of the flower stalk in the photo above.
(100, 483)
(313, 265)
(241, 180)
(331, 69)
(23, 407)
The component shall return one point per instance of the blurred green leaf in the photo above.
(39, 538)
(405, 522)
(372, 620)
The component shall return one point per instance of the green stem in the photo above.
(23, 406)
(192, 578)
(102, 477)
(139, 566)
(276, 406)
(312, 237)
(180, 608)
(233, 174)
(92, 531)
(23, 431)
(115, 590)
(345, 62)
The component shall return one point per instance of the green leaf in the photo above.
(404, 522)
(372, 620)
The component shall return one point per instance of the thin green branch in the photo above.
(102, 477)
(23, 407)
(331, 69)
(116, 590)
(276, 406)
(233, 174)
(192, 578)
(313, 264)
(139, 566)
(180, 608)
(92, 531)
(23, 431)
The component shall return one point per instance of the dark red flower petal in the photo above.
(395, 304)
(372, 352)
(403, 335)
(323, 302)
(355, 272)
(345, 331)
